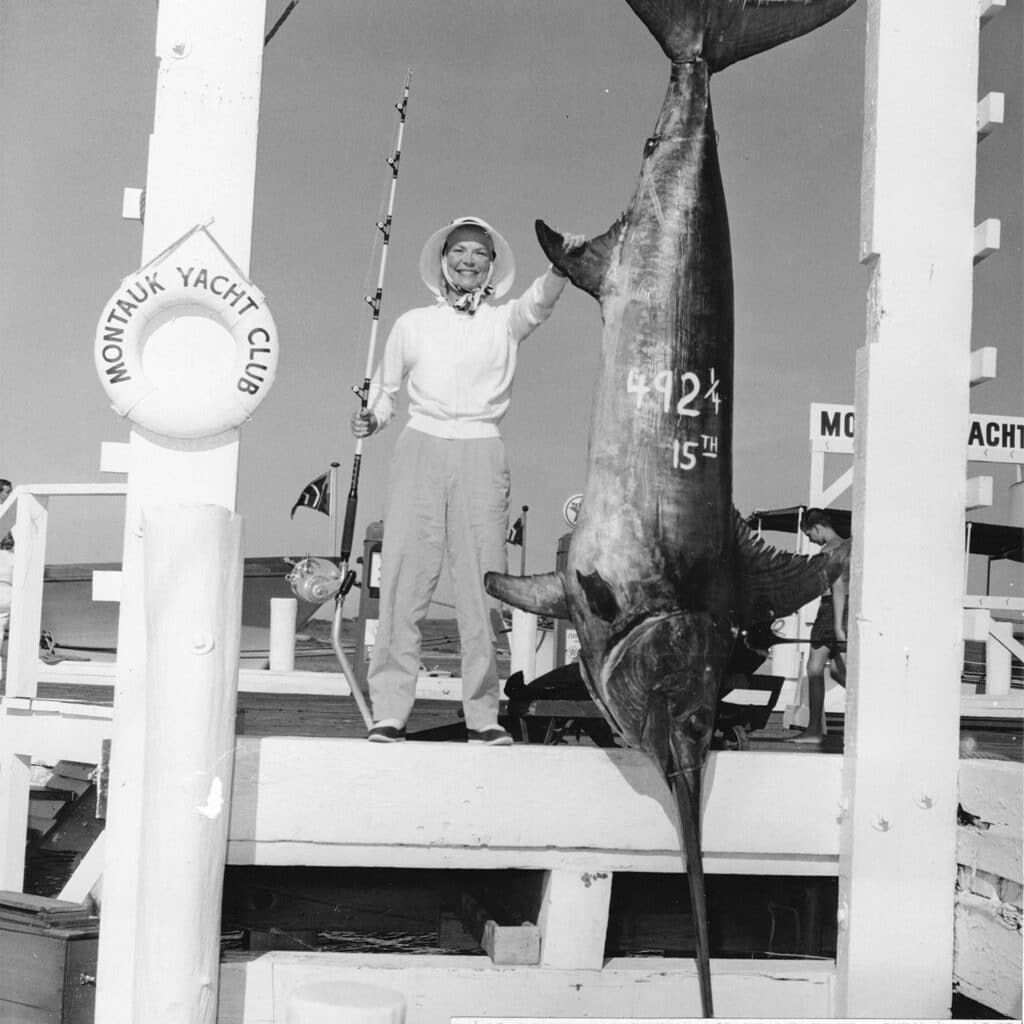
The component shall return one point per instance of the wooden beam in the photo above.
(979, 492)
(202, 159)
(27, 595)
(15, 771)
(897, 859)
(991, 109)
(438, 988)
(503, 943)
(764, 812)
(113, 457)
(574, 918)
(983, 364)
(988, 9)
(986, 238)
(193, 598)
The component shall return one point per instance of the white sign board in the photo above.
(989, 438)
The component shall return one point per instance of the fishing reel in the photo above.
(317, 580)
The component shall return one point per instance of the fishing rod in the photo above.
(347, 575)
(374, 301)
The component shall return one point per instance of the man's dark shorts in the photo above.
(823, 632)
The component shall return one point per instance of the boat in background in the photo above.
(82, 627)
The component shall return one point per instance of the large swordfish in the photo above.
(662, 576)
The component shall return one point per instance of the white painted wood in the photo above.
(573, 918)
(998, 659)
(759, 807)
(283, 611)
(523, 644)
(897, 859)
(86, 880)
(976, 624)
(114, 456)
(132, 203)
(987, 9)
(69, 733)
(987, 961)
(72, 490)
(15, 770)
(439, 988)
(201, 165)
(994, 602)
(193, 598)
(106, 585)
(983, 364)
(26, 594)
(991, 110)
(992, 791)
(837, 488)
(986, 238)
(979, 492)
(995, 850)
(982, 706)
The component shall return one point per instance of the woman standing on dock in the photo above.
(449, 485)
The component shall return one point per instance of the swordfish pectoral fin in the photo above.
(771, 584)
(585, 262)
(748, 27)
(542, 595)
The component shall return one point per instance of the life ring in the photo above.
(206, 391)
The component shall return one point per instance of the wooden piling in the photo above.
(193, 598)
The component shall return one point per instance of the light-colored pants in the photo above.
(447, 496)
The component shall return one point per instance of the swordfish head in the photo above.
(651, 579)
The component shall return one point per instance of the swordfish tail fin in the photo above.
(542, 595)
(585, 262)
(726, 31)
(747, 27)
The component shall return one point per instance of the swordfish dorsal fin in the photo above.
(542, 595)
(747, 27)
(771, 584)
(584, 262)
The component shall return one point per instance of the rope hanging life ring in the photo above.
(200, 400)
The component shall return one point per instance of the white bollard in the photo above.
(523, 644)
(342, 1002)
(283, 611)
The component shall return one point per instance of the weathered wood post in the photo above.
(202, 161)
(193, 597)
(897, 859)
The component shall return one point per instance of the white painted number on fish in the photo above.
(662, 384)
(684, 453)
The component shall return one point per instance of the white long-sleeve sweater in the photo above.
(459, 367)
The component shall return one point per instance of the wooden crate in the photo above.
(47, 961)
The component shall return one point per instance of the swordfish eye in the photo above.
(698, 725)
(651, 145)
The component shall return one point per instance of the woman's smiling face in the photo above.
(468, 255)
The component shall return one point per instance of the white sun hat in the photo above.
(430, 257)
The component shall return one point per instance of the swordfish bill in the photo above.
(662, 574)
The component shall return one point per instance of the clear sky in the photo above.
(519, 110)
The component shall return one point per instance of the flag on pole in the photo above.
(315, 495)
(515, 535)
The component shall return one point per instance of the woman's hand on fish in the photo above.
(570, 243)
(364, 423)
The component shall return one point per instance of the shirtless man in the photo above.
(828, 634)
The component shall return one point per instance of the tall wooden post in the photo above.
(202, 161)
(897, 858)
(193, 598)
